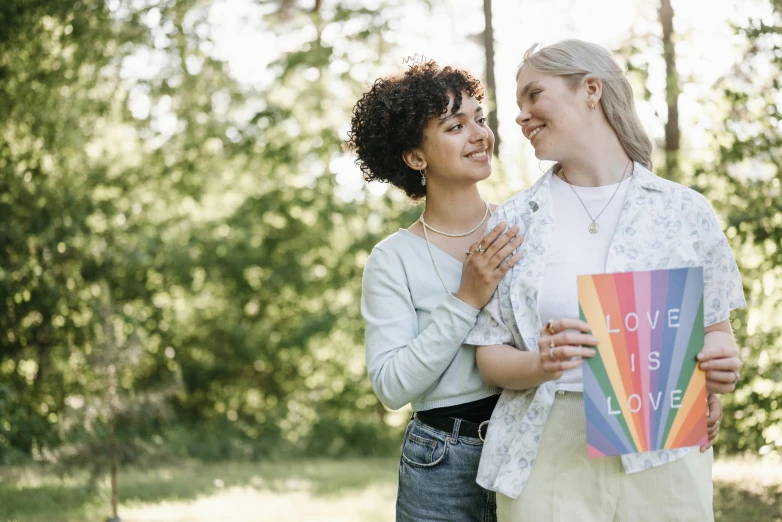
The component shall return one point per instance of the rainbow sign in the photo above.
(643, 390)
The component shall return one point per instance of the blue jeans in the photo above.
(437, 473)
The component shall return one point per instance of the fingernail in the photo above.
(704, 366)
(700, 356)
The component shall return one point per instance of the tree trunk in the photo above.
(671, 92)
(114, 484)
(491, 86)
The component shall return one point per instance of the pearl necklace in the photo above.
(426, 225)
(429, 246)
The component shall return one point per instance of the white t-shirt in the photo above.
(574, 251)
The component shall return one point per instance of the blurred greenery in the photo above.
(181, 265)
(743, 182)
(181, 234)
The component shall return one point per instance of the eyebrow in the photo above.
(526, 90)
(459, 115)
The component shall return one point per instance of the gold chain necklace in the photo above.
(594, 228)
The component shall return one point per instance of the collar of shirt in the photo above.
(537, 221)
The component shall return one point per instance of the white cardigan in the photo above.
(415, 330)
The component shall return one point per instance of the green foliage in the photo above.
(50, 258)
(744, 184)
(196, 279)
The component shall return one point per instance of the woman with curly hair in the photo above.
(425, 132)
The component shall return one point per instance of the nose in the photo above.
(481, 133)
(522, 118)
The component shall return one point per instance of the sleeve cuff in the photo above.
(461, 308)
(484, 339)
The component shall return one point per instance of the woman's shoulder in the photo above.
(391, 249)
(651, 180)
(690, 198)
(512, 209)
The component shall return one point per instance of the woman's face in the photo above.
(552, 114)
(458, 147)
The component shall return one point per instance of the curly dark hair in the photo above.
(390, 119)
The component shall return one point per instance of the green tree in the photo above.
(672, 134)
(50, 53)
(205, 213)
(744, 184)
(491, 84)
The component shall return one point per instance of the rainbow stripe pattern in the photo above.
(643, 390)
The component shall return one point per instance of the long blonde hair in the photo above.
(577, 60)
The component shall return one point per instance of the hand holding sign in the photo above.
(713, 420)
(720, 359)
(562, 350)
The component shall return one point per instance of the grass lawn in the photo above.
(746, 490)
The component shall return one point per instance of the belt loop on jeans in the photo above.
(455, 433)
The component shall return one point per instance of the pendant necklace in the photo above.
(594, 228)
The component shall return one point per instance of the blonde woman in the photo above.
(600, 209)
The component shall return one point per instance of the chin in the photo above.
(544, 153)
(482, 175)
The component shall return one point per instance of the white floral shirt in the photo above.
(662, 225)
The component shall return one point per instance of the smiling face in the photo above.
(552, 114)
(456, 147)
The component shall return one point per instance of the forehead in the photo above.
(529, 75)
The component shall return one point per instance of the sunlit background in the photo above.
(183, 238)
(450, 33)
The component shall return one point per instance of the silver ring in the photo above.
(479, 250)
(551, 354)
(736, 375)
(468, 253)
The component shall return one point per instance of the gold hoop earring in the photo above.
(423, 177)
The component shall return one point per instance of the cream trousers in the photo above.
(566, 486)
